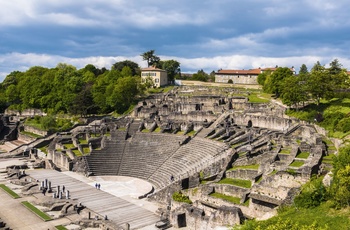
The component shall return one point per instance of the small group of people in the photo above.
(97, 186)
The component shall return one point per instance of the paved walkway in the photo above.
(115, 208)
(117, 199)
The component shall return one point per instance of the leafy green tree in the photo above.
(293, 91)
(263, 76)
(303, 70)
(318, 83)
(150, 57)
(172, 67)
(134, 67)
(124, 94)
(200, 76)
(340, 187)
(274, 82)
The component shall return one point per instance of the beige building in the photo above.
(158, 76)
(249, 77)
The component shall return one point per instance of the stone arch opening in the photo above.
(250, 124)
(181, 220)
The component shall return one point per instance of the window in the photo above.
(156, 80)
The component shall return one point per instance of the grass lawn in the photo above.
(9, 191)
(232, 199)
(303, 155)
(83, 141)
(77, 153)
(297, 164)
(257, 98)
(145, 131)
(236, 182)
(328, 159)
(273, 172)
(157, 130)
(285, 151)
(41, 214)
(69, 146)
(191, 133)
(60, 227)
(34, 135)
(86, 150)
(323, 216)
(254, 167)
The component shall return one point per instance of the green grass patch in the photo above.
(69, 146)
(60, 227)
(34, 135)
(303, 155)
(232, 199)
(297, 164)
(9, 191)
(328, 159)
(179, 197)
(254, 167)
(236, 182)
(180, 132)
(35, 210)
(273, 172)
(157, 130)
(291, 171)
(257, 98)
(86, 150)
(285, 151)
(44, 149)
(321, 217)
(77, 153)
(145, 131)
(83, 141)
(107, 134)
(191, 133)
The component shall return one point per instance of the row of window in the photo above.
(152, 74)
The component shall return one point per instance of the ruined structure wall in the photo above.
(269, 122)
(59, 159)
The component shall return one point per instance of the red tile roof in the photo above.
(152, 68)
(244, 72)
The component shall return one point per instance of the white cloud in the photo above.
(22, 62)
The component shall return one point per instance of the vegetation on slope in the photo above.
(317, 207)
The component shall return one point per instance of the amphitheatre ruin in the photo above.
(231, 159)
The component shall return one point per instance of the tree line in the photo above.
(295, 90)
(89, 90)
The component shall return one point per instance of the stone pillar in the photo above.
(46, 183)
(67, 194)
(60, 195)
(58, 189)
(50, 189)
(42, 185)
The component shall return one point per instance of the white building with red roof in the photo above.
(158, 76)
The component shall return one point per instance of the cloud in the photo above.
(22, 62)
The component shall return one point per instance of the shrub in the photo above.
(312, 194)
(179, 197)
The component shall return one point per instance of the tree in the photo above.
(293, 91)
(263, 76)
(172, 67)
(340, 187)
(200, 76)
(123, 94)
(150, 57)
(303, 70)
(318, 83)
(274, 82)
(134, 67)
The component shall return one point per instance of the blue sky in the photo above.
(200, 34)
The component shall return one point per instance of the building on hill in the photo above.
(158, 76)
(249, 77)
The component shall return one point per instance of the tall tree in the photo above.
(172, 67)
(150, 57)
(318, 83)
(135, 69)
(303, 70)
(274, 82)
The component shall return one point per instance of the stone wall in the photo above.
(26, 112)
(35, 130)
(269, 122)
(60, 159)
(246, 174)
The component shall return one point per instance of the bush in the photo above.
(179, 197)
(312, 194)
(343, 125)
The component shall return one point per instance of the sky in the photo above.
(200, 34)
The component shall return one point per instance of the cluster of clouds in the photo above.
(202, 34)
